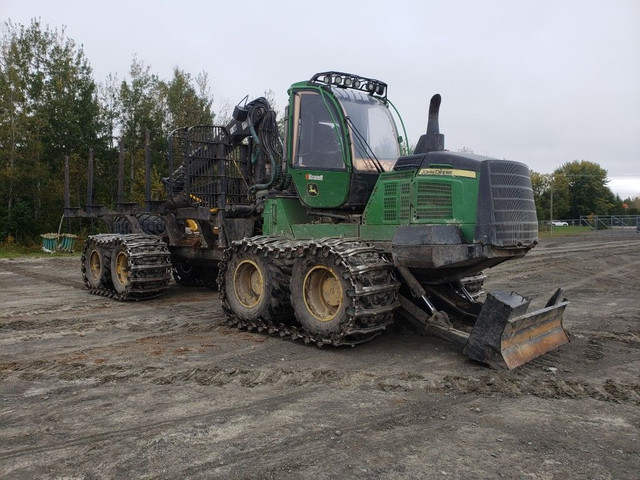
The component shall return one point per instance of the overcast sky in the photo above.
(542, 82)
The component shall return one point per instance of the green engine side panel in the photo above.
(287, 217)
(280, 214)
(399, 198)
(390, 201)
(404, 198)
(321, 230)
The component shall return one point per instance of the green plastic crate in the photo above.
(49, 242)
(66, 242)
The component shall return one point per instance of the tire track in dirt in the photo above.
(44, 277)
(548, 386)
(565, 266)
(51, 325)
(228, 449)
(612, 246)
(150, 428)
(631, 338)
(628, 269)
(72, 310)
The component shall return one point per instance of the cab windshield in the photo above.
(372, 128)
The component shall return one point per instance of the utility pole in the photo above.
(551, 206)
(147, 167)
(121, 170)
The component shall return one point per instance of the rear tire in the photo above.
(209, 276)
(94, 265)
(188, 275)
(184, 273)
(120, 269)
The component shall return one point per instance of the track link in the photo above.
(149, 265)
(371, 300)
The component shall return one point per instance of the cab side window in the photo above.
(319, 135)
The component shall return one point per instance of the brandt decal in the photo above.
(311, 176)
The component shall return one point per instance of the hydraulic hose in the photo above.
(267, 139)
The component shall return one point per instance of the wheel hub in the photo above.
(248, 283)
(95, 265)
(122, 268)
(322, 293)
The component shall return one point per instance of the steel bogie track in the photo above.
(370, 295)
(144, 270)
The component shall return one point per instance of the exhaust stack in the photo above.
(433, 140)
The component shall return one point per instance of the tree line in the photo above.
(52, 107)
(578, 188)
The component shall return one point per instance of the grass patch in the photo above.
(32, 252)
(10, 249)
(545, 231)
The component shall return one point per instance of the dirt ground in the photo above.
(91, 388)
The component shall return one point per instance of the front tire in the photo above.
(248, 287)
(319, 293)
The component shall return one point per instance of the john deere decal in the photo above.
(312, 189)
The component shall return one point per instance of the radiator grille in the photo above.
(434, 201)
(390, 203)
(397, 202)
(404, 212)
(513, 205)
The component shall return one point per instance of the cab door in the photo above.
(320, 160)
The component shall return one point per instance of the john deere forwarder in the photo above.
(326, 236)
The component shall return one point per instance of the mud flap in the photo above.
(505, 336)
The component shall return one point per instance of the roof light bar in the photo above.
(348, 80)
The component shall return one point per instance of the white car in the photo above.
(558, 223)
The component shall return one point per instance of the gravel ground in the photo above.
(92, 388)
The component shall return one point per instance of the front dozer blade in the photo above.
(505, 336)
